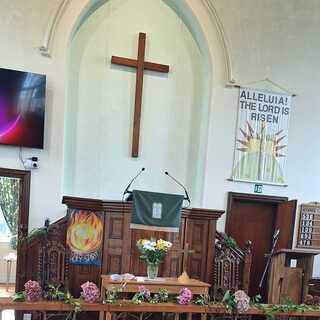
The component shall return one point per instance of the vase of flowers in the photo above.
(153, 251)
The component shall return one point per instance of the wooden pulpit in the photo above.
(120, 254)
(290, 273)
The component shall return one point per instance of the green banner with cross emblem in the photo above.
(156, 211)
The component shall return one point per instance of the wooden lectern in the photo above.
(289, 280)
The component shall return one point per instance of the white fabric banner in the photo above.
(262, 136)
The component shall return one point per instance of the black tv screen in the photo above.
(22, 106)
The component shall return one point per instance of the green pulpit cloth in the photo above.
(156, 211)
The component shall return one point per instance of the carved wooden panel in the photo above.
(197, 238)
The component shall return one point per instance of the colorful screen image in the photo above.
(85, 236)
(22, 108)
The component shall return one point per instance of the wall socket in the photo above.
(27, 316)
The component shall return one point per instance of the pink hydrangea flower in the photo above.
(90, 292)
(146, 292)
(316, 299)
(242, 300)
(308, 299)
(185, 296)
(33, 290)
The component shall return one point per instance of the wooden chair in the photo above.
(53, 267)
(232, 268)
(54, 264)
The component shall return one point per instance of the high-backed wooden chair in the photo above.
(50, 258)
(232, 268)
(54, 264)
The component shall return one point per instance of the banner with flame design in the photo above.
(85, 236)
(262, 136)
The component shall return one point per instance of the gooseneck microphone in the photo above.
(187, 198)
(126, 191)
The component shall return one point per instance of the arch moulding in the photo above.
(47, 44)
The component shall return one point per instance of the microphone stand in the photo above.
(187, 198)
(270, 255)
(126, 191)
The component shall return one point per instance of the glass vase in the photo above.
(152, 270)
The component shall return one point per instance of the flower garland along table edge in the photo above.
(129, 306)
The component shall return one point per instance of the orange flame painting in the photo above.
(84, 235)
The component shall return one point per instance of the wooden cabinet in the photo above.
(287, 282)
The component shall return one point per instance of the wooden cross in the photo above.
(140, 64)
(184, 277)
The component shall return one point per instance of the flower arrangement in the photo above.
(90, 292)
(238, 301)
(33, 290)
(53, 293)
(161, 297)
(143, 295)
(312, 300)
(242, 301)
(153, 252)
(185, 296)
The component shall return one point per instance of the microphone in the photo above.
(187, 198)
(129, 185)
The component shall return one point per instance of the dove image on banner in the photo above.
(156, 211)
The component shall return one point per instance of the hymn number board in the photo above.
(309, 228)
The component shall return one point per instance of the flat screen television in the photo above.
(22, 108)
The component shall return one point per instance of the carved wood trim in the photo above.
(125, 207)
(23, 220)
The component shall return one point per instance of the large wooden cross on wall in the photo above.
(140, 64)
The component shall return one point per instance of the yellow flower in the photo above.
(163, 245)
(142, 241)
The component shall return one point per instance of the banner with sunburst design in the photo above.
(262, 136)
(85, 236)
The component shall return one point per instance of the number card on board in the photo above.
(309, 227)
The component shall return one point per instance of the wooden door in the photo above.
(285, 221)
(255, 218)
(254, 221)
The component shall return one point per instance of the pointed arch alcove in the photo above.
(100, 100)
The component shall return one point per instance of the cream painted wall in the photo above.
(100, 104)
(275, 39)
(23, 25)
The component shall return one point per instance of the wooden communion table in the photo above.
(173, 285)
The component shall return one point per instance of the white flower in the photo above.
(147, 246)
(168, 244)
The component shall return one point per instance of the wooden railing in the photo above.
(130, 307)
